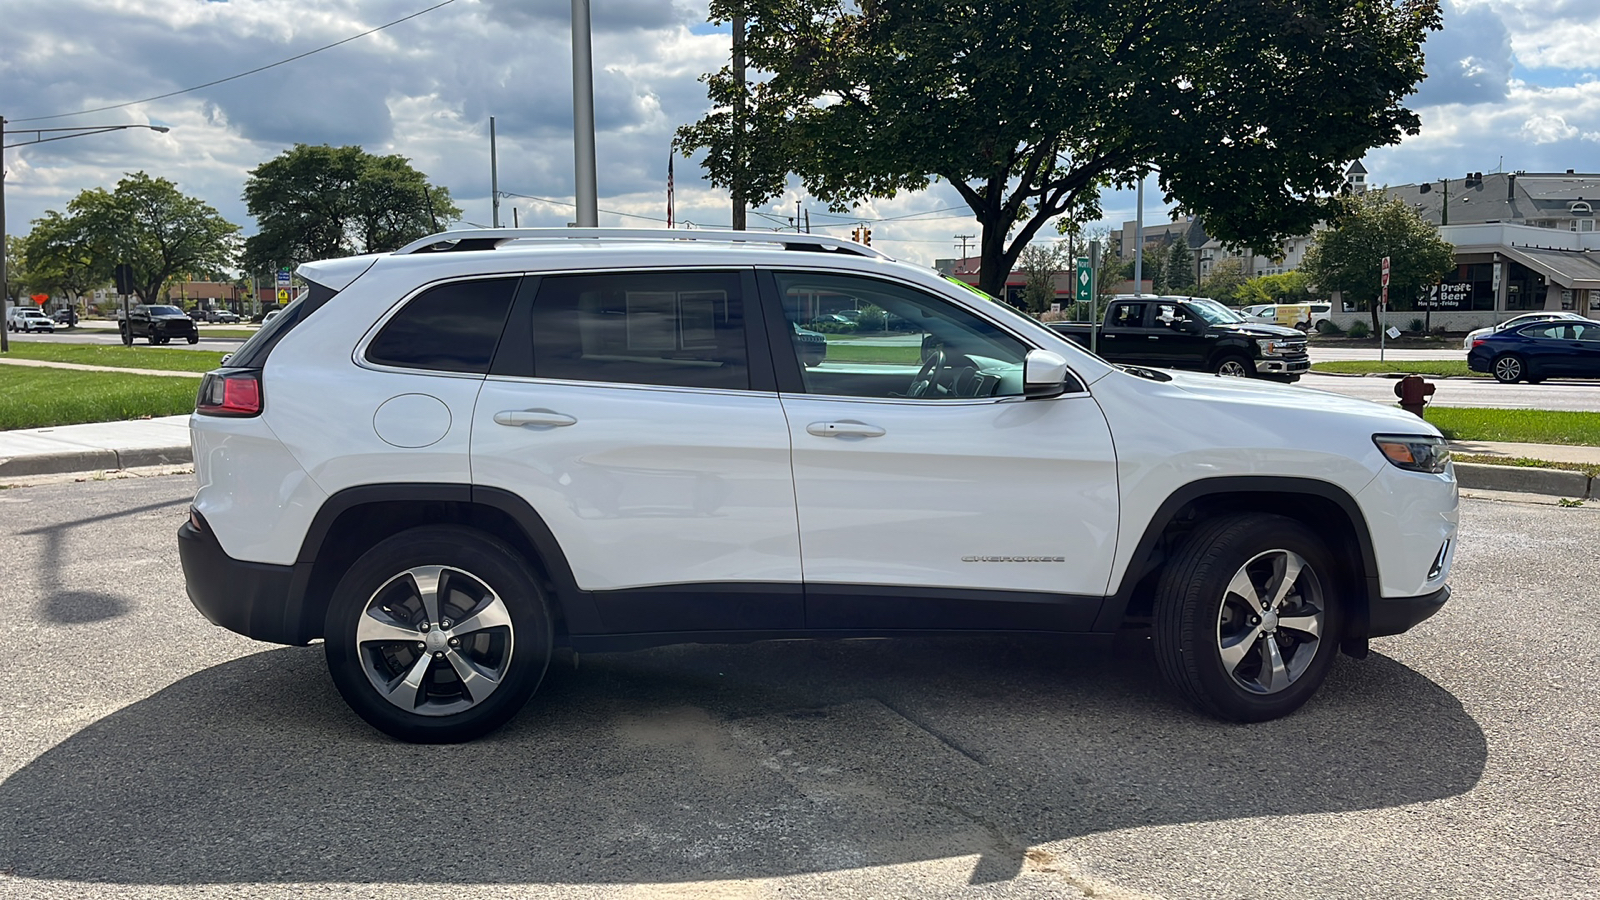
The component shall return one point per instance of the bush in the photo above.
(1328, 326)
(1416, 326)
(1359, 330)
(833, 327)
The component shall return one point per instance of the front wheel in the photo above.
(1509, 369)
(438, 634)
(194, 339)
(1233, 367)
(1248, 615)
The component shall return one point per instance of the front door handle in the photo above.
(844, 429)
(546, 417)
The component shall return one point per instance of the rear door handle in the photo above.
(546, 417)
(844, 429)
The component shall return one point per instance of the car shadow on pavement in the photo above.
(707, 762)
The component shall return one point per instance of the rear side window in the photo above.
(449, 328)
(679, 329)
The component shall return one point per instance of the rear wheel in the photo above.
(1233, 366)
(438, 634)
(1247, 617)
(1509, 369)
(194, 338)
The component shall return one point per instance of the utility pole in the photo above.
(1138, 243)
(738, 124)
(494, 175)
(5, 288)
(585, 187)
(963, 238)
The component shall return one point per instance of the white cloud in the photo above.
(1547, 129)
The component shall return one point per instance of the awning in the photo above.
(1572, 269)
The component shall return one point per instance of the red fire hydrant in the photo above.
(1413, 392)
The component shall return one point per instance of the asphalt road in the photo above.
(146, 753)
(81, 336)
(1580, 396)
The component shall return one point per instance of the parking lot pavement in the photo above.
(146, 753)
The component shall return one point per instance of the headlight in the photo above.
(1271, 347)
(1414, 453)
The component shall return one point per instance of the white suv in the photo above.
(490, 443)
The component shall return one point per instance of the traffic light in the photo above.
(866, 236)
(855, 235)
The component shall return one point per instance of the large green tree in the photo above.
(61, 258)
(1250, 110)
(319, 202)
(1040, 264)
(1180, 267)
(18, 275)
(147, 223)
(1349, 257)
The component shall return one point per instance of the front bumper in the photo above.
(1276, 365)
(1393, 615)
(256, 600)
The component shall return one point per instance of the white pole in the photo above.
(1138, 243)
(494, 175)
(588, 194)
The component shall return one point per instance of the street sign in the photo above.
(283, 276)
(1085, 281)
(1386, 271)
(283, 295)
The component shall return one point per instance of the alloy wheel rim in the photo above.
(435, 640)
(1508, 368)
(1269, 627)
(1232, 369)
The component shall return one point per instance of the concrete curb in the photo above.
(69, 461)
(1524, 480)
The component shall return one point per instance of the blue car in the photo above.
(1539, 350)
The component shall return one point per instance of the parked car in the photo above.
(225, 316)
(1191, 333)
(28, 318)
(444, 464)
(271, 314)
(1513, 322)
(67, 316)
(1535, 351)
(1306, 317)
(158, 324)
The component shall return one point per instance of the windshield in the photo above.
(165, 311)
(1213, 312)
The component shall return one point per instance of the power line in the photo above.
(238, 76)
(611, 212)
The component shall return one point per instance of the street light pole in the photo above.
(57, 134)
(586, 190)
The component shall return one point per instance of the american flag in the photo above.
(669, 188)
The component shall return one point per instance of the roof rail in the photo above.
(491, 238)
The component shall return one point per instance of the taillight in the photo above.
(230, 394)
(1478, 343)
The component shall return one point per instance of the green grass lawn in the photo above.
(1533, 426)
(39, 398)
(853, 353)
(136, 357)
(1436, 367)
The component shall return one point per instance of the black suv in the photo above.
(158, 325)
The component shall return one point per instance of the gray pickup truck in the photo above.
(1193, 333)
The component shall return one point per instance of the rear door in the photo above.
(636, 416)
(1125, 336)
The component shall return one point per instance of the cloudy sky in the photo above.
(1512, 84)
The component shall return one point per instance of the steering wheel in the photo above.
(928, 376)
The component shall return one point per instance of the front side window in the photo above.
(904, 343)
(452, 327)
(675, 329)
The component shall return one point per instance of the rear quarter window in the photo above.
(451, 327)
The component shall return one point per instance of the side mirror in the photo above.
(1044, 374)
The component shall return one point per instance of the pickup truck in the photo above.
(158, 324)
(1192, 333)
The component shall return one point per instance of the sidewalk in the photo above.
(106, 446)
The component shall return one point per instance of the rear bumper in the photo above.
(256, 600)
(1393, 615)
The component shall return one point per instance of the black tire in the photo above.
(479, 571)
(1508, 368)
(1233, 365)
(1197, 616)
(194, 339)
(127, 336)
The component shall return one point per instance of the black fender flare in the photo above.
(1140, 563)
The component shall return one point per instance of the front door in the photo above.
(637, 418)
(930, 493)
